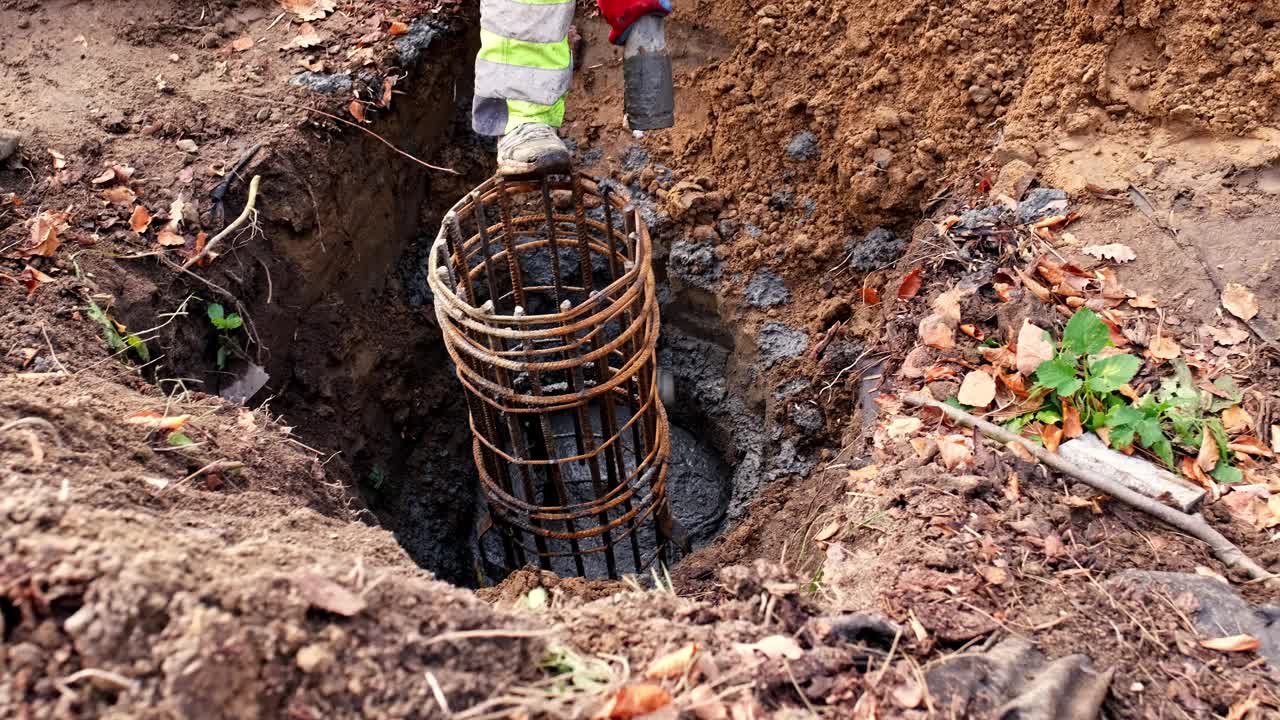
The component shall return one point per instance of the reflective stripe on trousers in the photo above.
(524, 67)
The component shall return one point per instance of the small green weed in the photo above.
(1083, 378)
(116, 342)
(226, 325)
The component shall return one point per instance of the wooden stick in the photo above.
(244, 215)
(1193, 525)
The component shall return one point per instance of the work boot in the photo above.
(532, 148)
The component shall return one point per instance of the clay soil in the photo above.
(273, 561)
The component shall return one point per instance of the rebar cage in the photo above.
(546, 297)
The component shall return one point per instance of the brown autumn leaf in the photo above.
(827, 532)
(140, 218)
(59, 160)
(1232, 643)
(1239, 300)
(1034, 287)
(772, 647)
(1034, 348)
(242, 43)
(1207, 460)
(169, 238)
(44, 235)
(397, 28)
(1250, 445)
(947, 305)
(325, 594)
(870, 296)
(977, 390)
(1229, 335)
(356, 108)
(954, 451)
(119, 195)
(1236, 419)
(388, 84)
(1001, 357)
(995, 575)
(1143, 301)
(1119, 252)
(633, 701)
(1071, 427)
(307, 37)
(704, 704)
(937, 333)
(1249, 509)
(1164, 348)
(107, 176)
(673, 664)
(153, 420)
(910, 284)
(1051, 435)
(33, 279)
(309, 9)
(1191, 471)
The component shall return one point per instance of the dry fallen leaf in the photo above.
(242, 43)
(1191, 470)
(388, 84)
(1236, 419)
(1250, 445)
(44, 235)
(633, 701)
(309, 9)
(397, 28)
(1034, 348)
(107, 176)
(356, 108)
(325, 594)
(704, 704)
(995, 575)
(1229, 335)
(954, 451)
(1164, 348)
(119, 195)
(1051, 435)
(1143, 301)
(1071, 426)
(1233, 643)
(306, 37)
(140, 219)
(936, 332)
(827, 532)
(1275, 438)
(977, 390)
(903, 426)
(169, 238)
(1250, 509)
(870, 296)
(1207, 460)
(910, 284)
(153, 420)
(1118, 252)
(864, 473)
(33, 279)
(59, 160)
(1240, 301)
(673, 665)
(772, 647)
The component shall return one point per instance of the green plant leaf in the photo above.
(1108, 374)
(536, 599)
(1163, 450)
(178, 439)
(139, 347)
(1059, 375)
(216, 312)
(1085, 333)
(1219, 438)
(1227, 385)
(232, 322)
(1226, 475)
(221, 359)
(1049, 415)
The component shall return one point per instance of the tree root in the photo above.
(1193, 524)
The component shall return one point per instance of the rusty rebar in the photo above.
(556, 355)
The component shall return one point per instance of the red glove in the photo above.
(621, 13)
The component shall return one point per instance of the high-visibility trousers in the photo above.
(524, 67)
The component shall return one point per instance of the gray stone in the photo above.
(420, 36)
(877, 250)
(695, 264)
(1041, 203)
(188, 145)
(982, 217)
(9, 141)
(327, 83)
(779, 342)
(752, 230)
(1221, 612)
(807, 417)
(790, 387)
(803, 146)
(634, 158)
(783, 199)
(766, 290)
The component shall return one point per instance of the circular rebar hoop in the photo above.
(546, 298)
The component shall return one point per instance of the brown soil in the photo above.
(256, 571)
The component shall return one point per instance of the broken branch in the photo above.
(1193, 525)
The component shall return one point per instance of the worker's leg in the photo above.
(524, 67)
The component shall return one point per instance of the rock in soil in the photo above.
(9, 140)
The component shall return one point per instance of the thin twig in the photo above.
(244, 215)
(792, 677)
(215, 466)
(1193, 525)
(45, 331)
(335, 118)
(498, 633)
(14, 424)
(438, 692)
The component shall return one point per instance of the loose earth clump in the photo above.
(245, 488)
